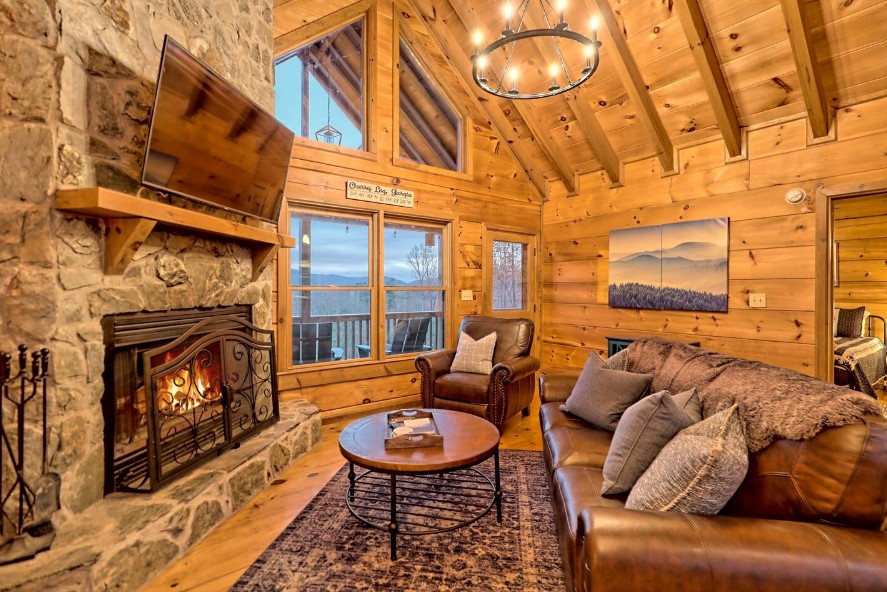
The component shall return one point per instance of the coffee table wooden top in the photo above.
(468, 440)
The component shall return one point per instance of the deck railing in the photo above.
(349, 331)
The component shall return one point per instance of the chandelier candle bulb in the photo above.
(478, 41)
(561, 8)
(509, 12)
(513, 74)
(552, 71)
(595, 23)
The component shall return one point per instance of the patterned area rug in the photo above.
(326, 548)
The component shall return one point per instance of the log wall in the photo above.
(772, 243)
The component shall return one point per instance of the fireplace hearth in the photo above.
(182, 387)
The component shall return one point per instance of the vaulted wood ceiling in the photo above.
(672, 73)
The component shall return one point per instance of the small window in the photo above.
(510, 275)
(430, 129)
(319, 88)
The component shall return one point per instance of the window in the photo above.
(335, 296)
(429, 128)
(319, 88)
(509, 274)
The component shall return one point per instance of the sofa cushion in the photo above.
(576, 446)
(601, 395)
(644, 429)
(550, 416)
(463, 386)
(474, 356)
(698, 471)
(836, 477)
(850, 322)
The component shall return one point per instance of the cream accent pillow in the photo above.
(474, 356)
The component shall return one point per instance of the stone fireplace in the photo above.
(74, 106)
(181, 387)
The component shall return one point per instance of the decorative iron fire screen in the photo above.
(186, 399)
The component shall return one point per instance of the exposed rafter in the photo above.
(585, 117)
(799, 35)
(710, 70)
(462, 64)
(594, 133)
(633, 82)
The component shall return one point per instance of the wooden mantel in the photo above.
(131, 219)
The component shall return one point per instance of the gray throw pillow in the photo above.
(644, 429)
(689, 402)
(698, 471)
(600, 395)
(474, 356)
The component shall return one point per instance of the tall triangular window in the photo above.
(319, 88)
(429, 127)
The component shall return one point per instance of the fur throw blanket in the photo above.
(773, 402)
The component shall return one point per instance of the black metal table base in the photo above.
(419, 504)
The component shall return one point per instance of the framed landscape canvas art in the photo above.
(680, 266)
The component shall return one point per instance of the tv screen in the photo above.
(207, 141)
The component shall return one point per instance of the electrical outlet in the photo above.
(467, 295)
(757, 300)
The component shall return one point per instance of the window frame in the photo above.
(366, 10)
(513, 236)
(403, 32)
(375, 284)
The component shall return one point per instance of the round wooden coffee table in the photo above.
(422, 490)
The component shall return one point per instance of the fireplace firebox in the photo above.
(182, 387)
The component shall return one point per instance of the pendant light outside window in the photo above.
(566, 72)
(328, 133)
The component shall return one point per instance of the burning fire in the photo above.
(179, 392)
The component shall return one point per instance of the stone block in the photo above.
(30, 308)
(107, 301)
(80, 487)
(26, 166)
(68, 361)
(29, 86)
(206, 517)
(133, 564)
(29, 18)
(12, 221)
(170, 269)
(72, 94)
(38, 246)
(247, 482)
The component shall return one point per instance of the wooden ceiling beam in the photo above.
(801, 39)
(710, 71)
(462, 64)
(578, 102)
(633, 82)
(542, 138)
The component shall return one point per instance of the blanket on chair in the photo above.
(773, 402)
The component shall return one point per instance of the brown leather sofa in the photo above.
(810, 515)
(507, 390)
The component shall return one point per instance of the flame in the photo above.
(179, 393)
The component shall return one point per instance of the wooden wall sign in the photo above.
(392, 196)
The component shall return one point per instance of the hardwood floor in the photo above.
(243, 537)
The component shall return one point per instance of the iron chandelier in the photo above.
(556, 39)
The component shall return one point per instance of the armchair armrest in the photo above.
(515, 368)
(430, 366)
(706, 553)
(557, 386)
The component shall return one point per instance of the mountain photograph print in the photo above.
(681, 266)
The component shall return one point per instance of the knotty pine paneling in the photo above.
(860, 230)
(494, 189)
(772, 243)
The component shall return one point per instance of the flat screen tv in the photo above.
(207, 141)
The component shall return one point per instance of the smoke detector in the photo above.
(796, 196)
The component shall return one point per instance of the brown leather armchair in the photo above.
(509, 387)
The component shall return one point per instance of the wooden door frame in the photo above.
(824, 276)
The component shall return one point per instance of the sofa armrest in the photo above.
(430, 366)
(633, 551)
(556, 386)
(514, 369)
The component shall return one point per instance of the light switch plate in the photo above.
(467, 295)
(757, 301)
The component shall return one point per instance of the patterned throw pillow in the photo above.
(850, 322)
(698, 471)
(600, 395)
(644, 429)
(474, 356)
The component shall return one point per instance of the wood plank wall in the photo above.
(860, 229)
(493, 193)
(771, 242)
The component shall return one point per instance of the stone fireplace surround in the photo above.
(74, 104)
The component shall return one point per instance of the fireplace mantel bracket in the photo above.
(131, 219)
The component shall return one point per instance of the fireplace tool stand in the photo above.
(26, 505)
